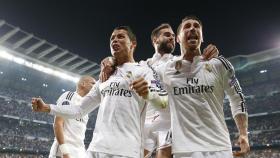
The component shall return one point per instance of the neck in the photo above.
(189, 54)
(160, 52)
(121, 61)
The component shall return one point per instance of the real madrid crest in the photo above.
(178, 66)
(128, 74)
(208, 67)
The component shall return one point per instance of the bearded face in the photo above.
(165, 42)
(166, 46)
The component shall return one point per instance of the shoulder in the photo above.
(222, 62)
(144, 62)
(69, 95)
(223, 65)
(140, 66)
(65, 98)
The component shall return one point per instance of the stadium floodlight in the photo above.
(19, 60)
(63, 90)
(23, 79)
(4, 54)
(1, 72)
(263, 71)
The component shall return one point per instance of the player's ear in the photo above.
(154, 40)
(177, 39)
(133, 45)
(201, 35)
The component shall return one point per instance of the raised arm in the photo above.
(89, 103)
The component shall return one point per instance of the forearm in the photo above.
(58, 132)
(241, 121)
(68, 112)
(75, 111)
(46, 108)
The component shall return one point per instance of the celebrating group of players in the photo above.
(169, 104)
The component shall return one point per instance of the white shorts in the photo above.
(207, 154)
(92, 154)
(157, 134)
(74, 151)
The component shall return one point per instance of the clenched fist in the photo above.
(140, 86)
(38, 105)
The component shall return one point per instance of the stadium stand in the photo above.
(29, 135)
(30, 66)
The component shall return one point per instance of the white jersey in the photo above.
(120, 119)
(152, 111)
(196, 93)
(157, 121)
(73, 129)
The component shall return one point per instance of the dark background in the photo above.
(84, 27)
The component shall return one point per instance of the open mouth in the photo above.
(193, 38)
(115, 47)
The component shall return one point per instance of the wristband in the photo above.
(64, 149)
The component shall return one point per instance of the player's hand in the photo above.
(107, 68)
(244, 146)
(210, 52)
(66, 156)
(38, 105)
(140, 86)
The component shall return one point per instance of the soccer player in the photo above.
(196, 91)
(157, 123)
(122, 99)
(70, 133)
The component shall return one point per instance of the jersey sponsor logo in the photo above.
(192, 80)
(114, 90)
(193, 89)
(193, 86)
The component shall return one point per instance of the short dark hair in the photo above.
(155, 32)
(129, 31)
(189, 17)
